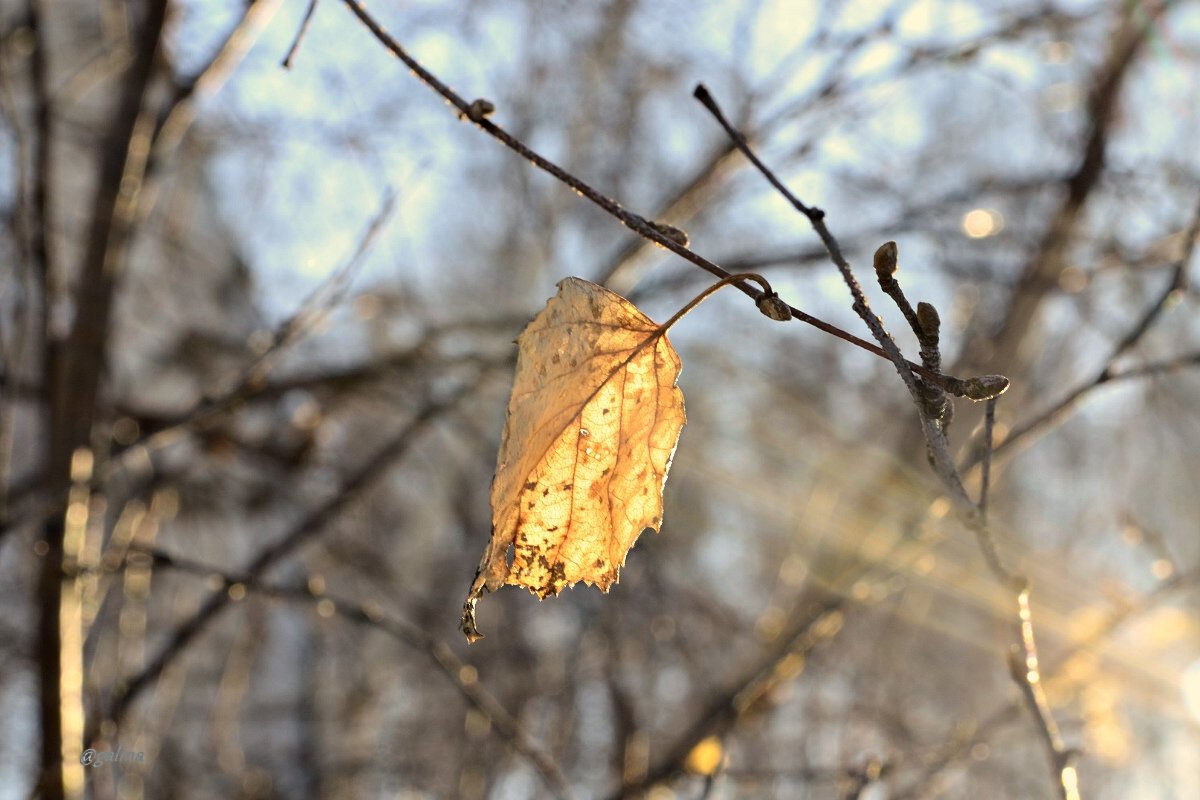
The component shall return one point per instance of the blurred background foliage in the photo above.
(310, 351)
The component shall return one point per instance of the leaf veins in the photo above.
(593, 421)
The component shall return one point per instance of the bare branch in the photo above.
(359, 481)
(817, 621)
(1026, 673)
(308, 15)
(1176, 286)
(252, 379)
(1047, 262)
(635, 222)
(461, 675)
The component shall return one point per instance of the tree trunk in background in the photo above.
(72, 375)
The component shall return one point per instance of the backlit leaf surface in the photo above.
(592, 424)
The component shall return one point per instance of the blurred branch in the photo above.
(22, 275)
(817, 622)
(620, 274)
(315, 523)
(462, 676)
(43, 169)
(181, 109)
(851, 781)
(960, 746)
(1043, 268)
(308, 15)
(29, 505)
(249, 384)
(71, 379)
(138, 193)
(297, 325)
(1109, 373)
(1025, 670)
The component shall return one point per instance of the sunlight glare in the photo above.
(1191, 689)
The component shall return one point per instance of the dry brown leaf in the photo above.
(592, 424)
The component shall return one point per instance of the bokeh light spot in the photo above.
(979, 223)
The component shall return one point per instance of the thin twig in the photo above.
(1026, 672)
(635, 222)
(940, 458)
(961, 746)
(308, 15)
(989, 427)
(461, 675)
(973, 515)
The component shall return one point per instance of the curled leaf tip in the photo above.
(468, 625)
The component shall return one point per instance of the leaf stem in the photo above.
(711, 290)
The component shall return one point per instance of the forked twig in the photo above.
(974, 515)
(477, 112)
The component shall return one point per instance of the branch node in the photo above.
(677, 235)
(479, 110)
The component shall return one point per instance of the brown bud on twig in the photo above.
(479, 110)
(984, 387)
(931, 323)
(770, 305)
(676, 235)
(886, 260)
